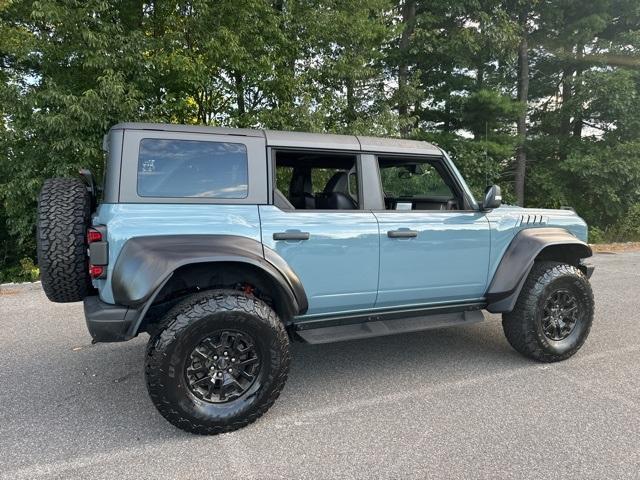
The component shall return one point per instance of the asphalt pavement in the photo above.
(451, 403)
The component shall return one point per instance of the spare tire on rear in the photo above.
(64, 213)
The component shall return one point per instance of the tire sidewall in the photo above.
(577, 286)
(172, 368)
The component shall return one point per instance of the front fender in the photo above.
(145, 264)
(516, 263)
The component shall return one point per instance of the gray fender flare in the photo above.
(145, 264)
(519, 257)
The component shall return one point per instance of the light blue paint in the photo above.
(338, 265)
(126, 220)
(349, 264)
(506, 222)
(448, 260)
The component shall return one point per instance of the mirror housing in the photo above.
(492, 197)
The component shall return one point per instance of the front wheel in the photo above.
(218, 361)
(553, 314)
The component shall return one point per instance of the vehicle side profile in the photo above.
(225, 245)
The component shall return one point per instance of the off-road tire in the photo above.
(64, 213)
(523, 326)
(181, 330)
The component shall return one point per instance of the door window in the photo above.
(317, 180)
(416, 184)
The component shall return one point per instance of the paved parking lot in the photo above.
(455, 403)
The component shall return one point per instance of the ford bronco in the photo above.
(226, 244)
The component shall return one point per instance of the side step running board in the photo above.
(378, 328)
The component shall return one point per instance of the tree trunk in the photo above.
(286, 67)
(577, 121)
(523, 94)
(408, 20)
(565, 111)
(565, 114)
(350, 114)
(240, 99)
(480, 76)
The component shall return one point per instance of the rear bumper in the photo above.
(108, 323)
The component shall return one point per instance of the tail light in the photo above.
(98, 251)
(93, 235)
(96, 271)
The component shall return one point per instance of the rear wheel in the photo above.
(218, 362)
(553, 315)
(64, 213)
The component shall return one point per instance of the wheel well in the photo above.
(197, 277)
(565, 253)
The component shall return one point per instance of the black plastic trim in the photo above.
(518, 260)
(589, 270)
(99, 253)
(106, 323)
(376, 316)
(382, 327)
(145, 263)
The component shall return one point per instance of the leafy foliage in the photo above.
(446, 72)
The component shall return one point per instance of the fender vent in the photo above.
(528, 220)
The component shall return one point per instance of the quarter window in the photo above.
(191, 168)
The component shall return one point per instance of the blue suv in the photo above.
(225, 245)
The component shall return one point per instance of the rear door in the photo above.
(432, 250)
(334, 251)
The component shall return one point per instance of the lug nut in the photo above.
(233, 359)
(219, 374)
(215, 357)
(226, 353)
(230, 370)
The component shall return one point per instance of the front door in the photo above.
(432, 249)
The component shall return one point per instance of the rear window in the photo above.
(190, 168)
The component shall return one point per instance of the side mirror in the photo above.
(492, 197)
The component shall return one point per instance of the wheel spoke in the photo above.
(224, 340)
(246, 375)
(202, 381)
(558, 330)
(248, 361)
(200, 354)
(222, 390)
(237, 384)
(196, 370)
(212, 347)
(210, 388)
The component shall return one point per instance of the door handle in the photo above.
(291, 236)
(402, 233)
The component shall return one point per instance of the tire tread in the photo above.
(64, 212)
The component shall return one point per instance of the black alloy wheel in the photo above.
(223, 366)
(561, 314)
